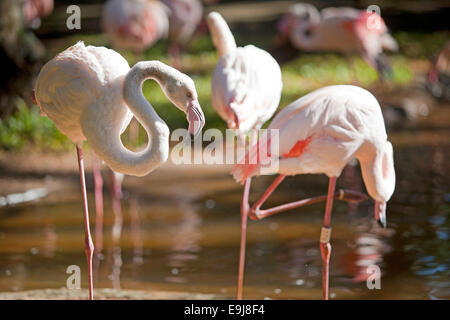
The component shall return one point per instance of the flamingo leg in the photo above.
(89, 245)
(174, 56)
(244, 218)
(134, 132)
(256, 213)
(325, 246)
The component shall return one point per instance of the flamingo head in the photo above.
(371, 22)
(182, 93)
(300, 14)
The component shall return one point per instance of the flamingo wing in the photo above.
(322, 130)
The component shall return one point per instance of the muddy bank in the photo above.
(104, 294)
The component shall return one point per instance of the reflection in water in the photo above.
(352, 180)
(116, 191)
(22, 197)
(369, 248)
(138, 250)
(184, 245)
(50, 237)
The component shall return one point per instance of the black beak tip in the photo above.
(192, 136)
(382, 223)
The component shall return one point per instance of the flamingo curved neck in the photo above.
(303, 41)
(221, 34)
(109, 146)
(378, 173)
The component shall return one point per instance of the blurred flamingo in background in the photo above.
(320, 133)
(184, 18)
(245, 92)
(342, 30)
(33, 10)
(439, 73)
(135, 25)
(90, 93)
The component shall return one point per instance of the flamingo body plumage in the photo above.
(341, 30)
(339, 123)
(79, 79)
(242, 88)
(185, 16)
(246, 83)
(135, 24)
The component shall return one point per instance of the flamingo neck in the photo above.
(378, 172)
(304, 37)
(106, 142)
(221, 34)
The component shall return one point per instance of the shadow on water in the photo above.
(181, 232)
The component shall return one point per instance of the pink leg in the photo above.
(89, 245)
(325, 246)
(257, 214)
(134, 132)
(244, 219)
(174, 56)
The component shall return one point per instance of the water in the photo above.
(188, 236)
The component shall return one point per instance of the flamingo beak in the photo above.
(380, 213)
(195, 117)
(233, 120)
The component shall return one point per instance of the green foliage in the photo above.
(26, 126)
(421, 45)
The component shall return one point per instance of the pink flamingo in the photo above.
(320, 133)
(439, 73)
(184, 18)
(246, 91)
(342, 30)
(135, 24)
(90, 93)
(33, 10)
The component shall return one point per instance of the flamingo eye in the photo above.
(189, 94)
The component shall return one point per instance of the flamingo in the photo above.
(439, 73)
(185, 16)
(33, 10)
(342, 30)
(320, 133)
(245, 90)
(90, 93)
(135, 25)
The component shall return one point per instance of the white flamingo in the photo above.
(135, 24)
(88, 92)
(245, 92)
(320, 133)
(184, 18)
